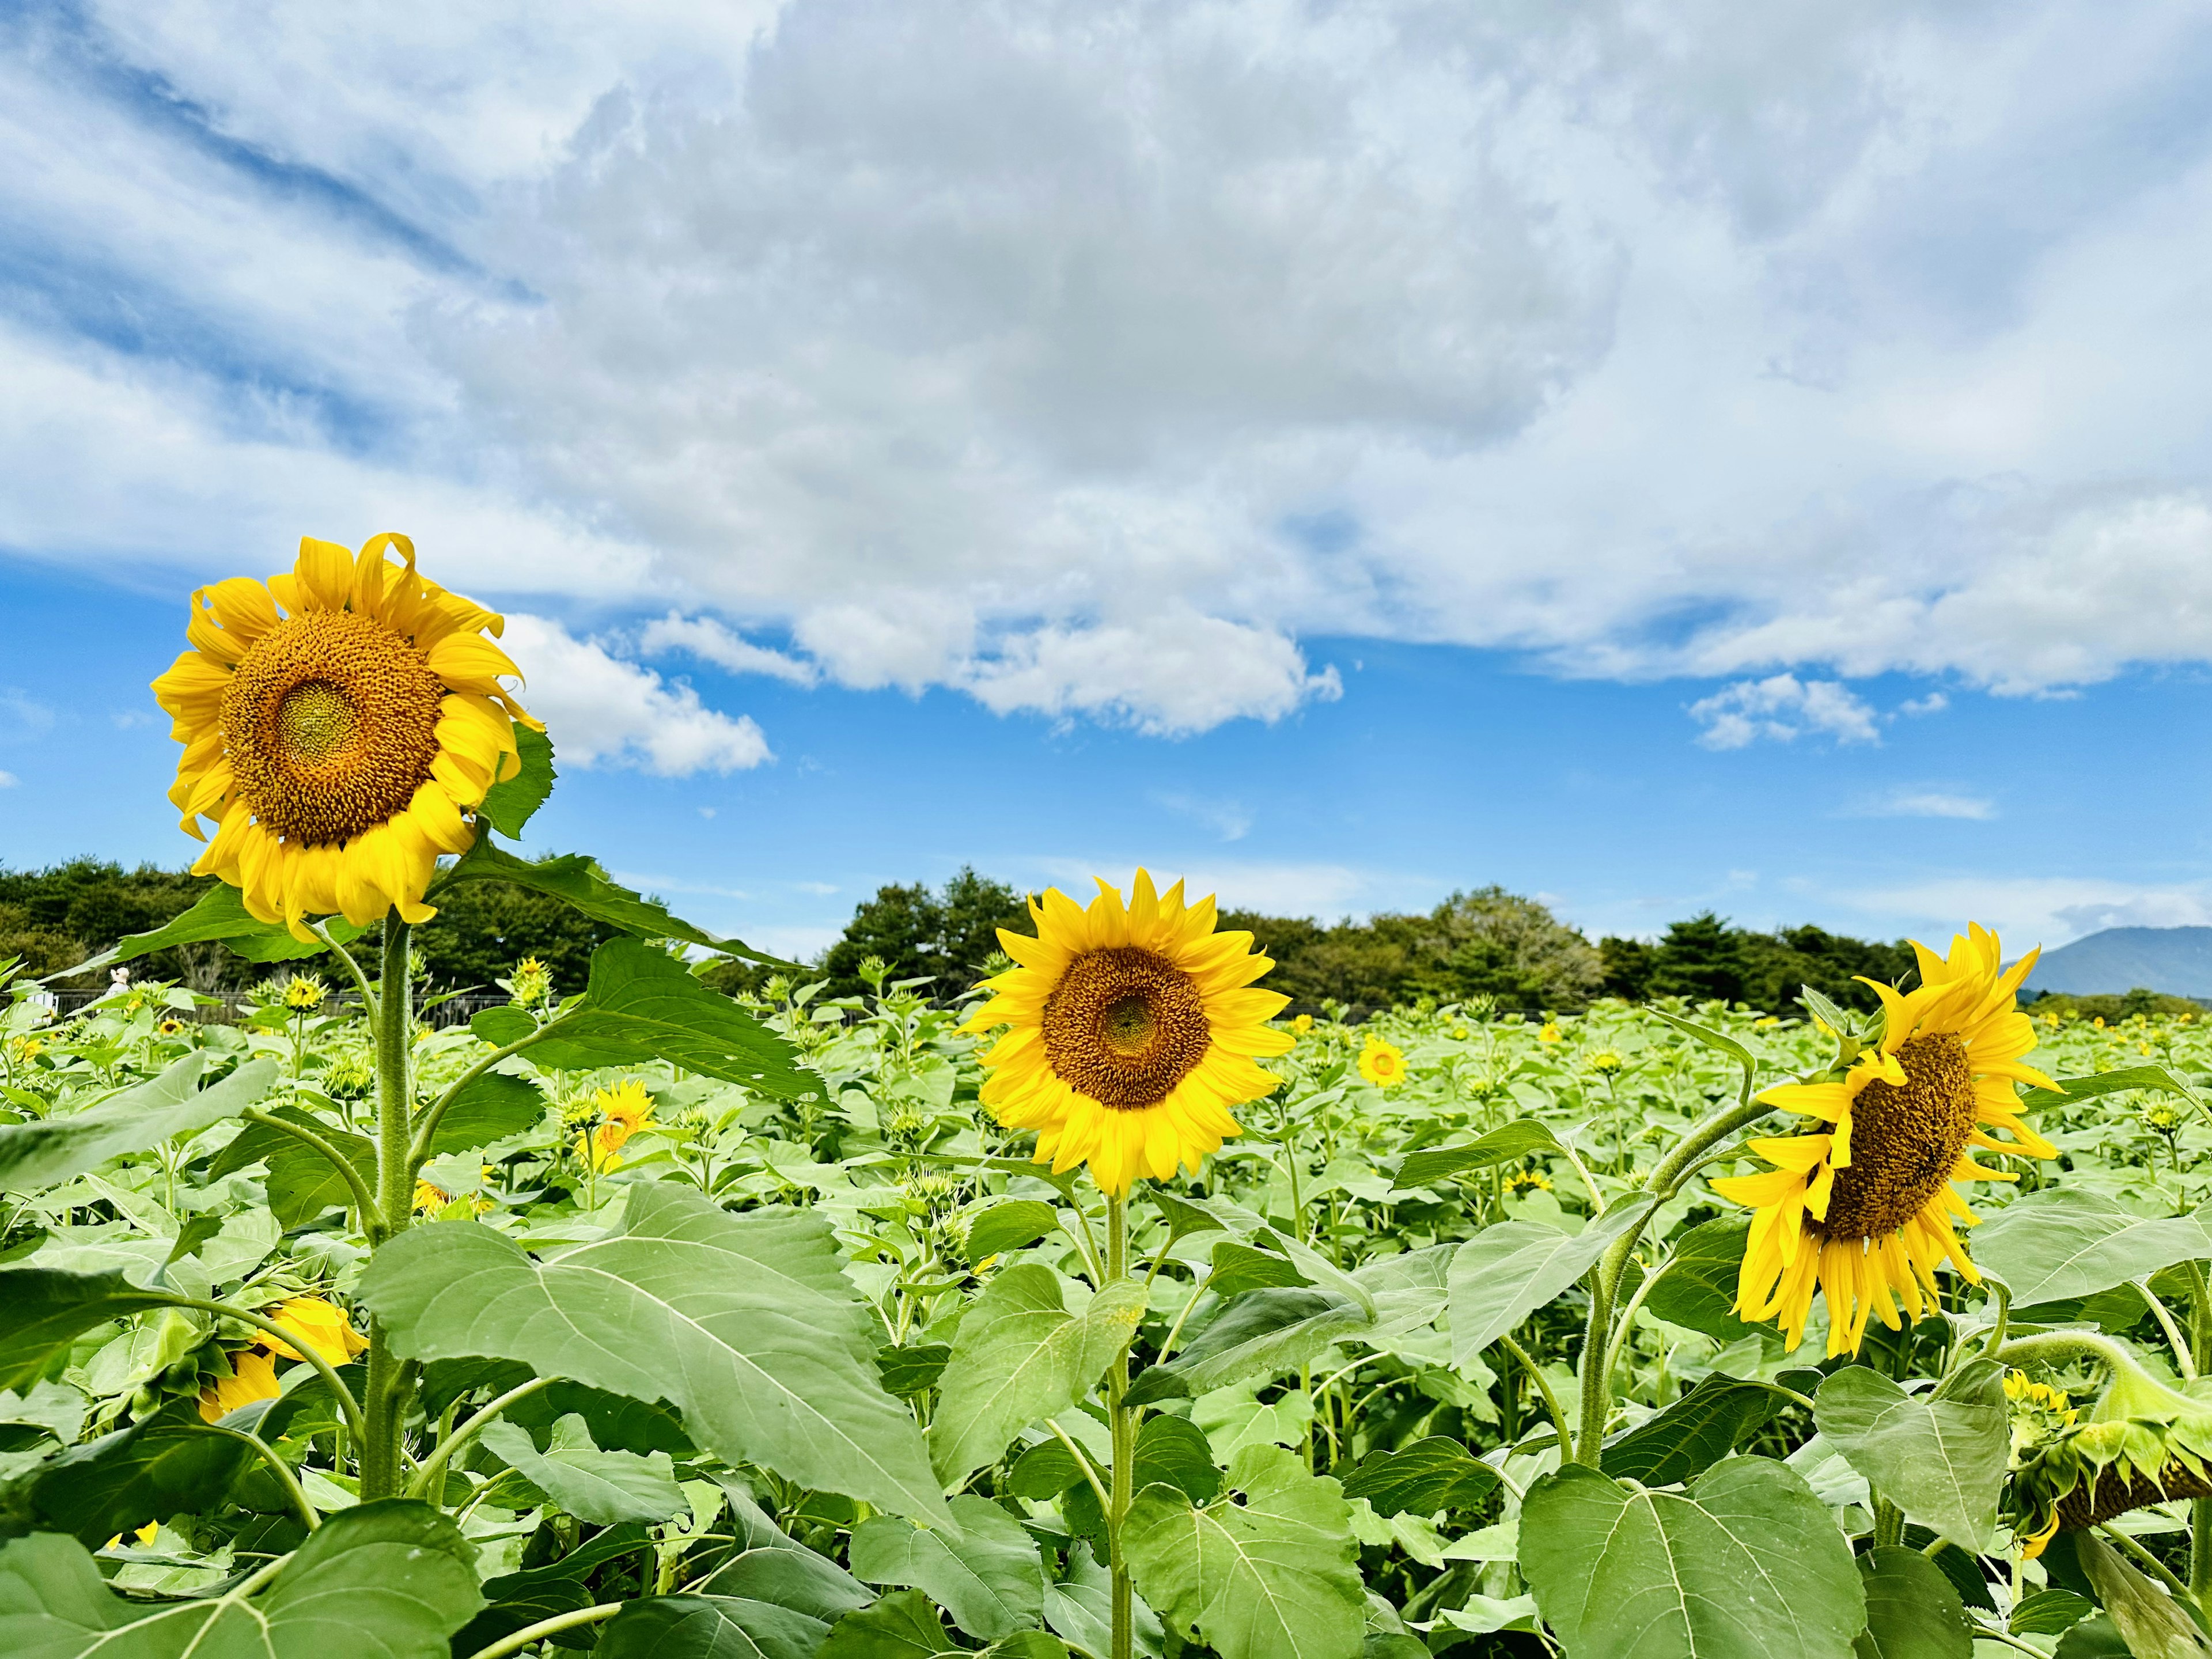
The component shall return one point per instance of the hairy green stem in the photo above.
(1124, 1422)
(1605, 1279)
(2200, 1509)
(281, 1469)
(385, 1408)
(426, 1477)
(1543, 1388)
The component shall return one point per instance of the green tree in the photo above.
(482, 928)
(1703, 959)
(65, 913)
(944, 936)
(1627, 964)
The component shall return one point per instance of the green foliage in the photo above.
(59, 916)
(1938, 1456)
(946, 937)
(482, 928)
(1705, 959)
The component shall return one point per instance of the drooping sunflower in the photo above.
(340, 724)
(1132, 1031)
(1863, 1210)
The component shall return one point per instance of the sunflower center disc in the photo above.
(1904, 1141)
(1124, 1026)
(330, 724)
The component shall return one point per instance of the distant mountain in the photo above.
(2175, 960)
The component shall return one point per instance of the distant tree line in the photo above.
(1483, 943)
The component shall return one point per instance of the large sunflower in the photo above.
(1133, 1030)
(339, 724)
(1864, 1210)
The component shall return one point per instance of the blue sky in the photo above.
(1653, 458)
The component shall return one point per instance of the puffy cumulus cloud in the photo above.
(1174, 674)
(612, 712)
(1783, 707)
(1027, 350)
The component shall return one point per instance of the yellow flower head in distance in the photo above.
(624, 1110)
(1302, 1024)
(252, 1376)
(1863, 1209)
(1132, 1030)
(340, 723)
(429, 1199)
(316, 1324)
(1551, 1033)
(1382, 1064)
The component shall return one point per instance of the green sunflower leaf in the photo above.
(2067, 1241)
(1697, 1431)
(170, 1463)
(602, 1487)
(901, 1625)
(1748, 1563)
(1697, 1288)
(745, 1323)
(507, 805)
(988, 1575)
(1021, 1357)
(47, 1151)
(1508, 1144)
(1508, 1271)
(219, 915)
(44, 1310)
(1275, 1576)
(1939, 1457)
(1913, 1611)
(1431, 1474)
(695, 1626)
(396, 1578)
(640, 1004)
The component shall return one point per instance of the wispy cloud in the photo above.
(1905, 802)
(1229, 819)
(710, 642)
(2048, 910)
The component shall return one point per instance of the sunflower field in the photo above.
(1107, 1312)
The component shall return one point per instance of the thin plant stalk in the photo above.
(385, 1406)
(1124, 1420)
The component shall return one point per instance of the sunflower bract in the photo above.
(1132, 1031)
(341, 722)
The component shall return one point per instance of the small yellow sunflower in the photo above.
(320, 1325)
(1301, 1023)
(1551, 1034)
(1864, 1210)
(1382, 1064)
(340, 723)
(1132, 1030)
(626, 1108)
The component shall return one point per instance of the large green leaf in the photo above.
(2073, 1091)
(1913, 1612)
(602, 1487)
(745, 1323)
(167, 1464)
(1508, 1144)
(1272, 1578)
(302, 1183)
(901, 1625)
(1697, 1431)
(1746, 1565)
(580, 884)
(1260, 1333)
(2069, 1241)
(490, 1106)
(1008, 1225)
(392, 1579)
(640, 1004)
(50, 1150)
(220, 914)
(1080, 1608)
(988, 1576)
(508, 804)
(1939, 1457)
(1238, 1268)
(44, 1310)
(1019, 1357)
(1431, 1474)
(789, 1575)
(1697, 1288)
(695, 1626)
(1506, 1272)
(2151, 1622)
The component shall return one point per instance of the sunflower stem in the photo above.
(385, 1406)
(1605, 1279)
(1888, 1522)
(2200, 1510)
(1124, 1424)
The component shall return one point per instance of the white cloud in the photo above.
(602, 711)
(9, 780)
(1783, 708)
(1934, 703)
(1229, 819)
(22, 716)
(1910, 803)
(1089, 356)
(710, 642)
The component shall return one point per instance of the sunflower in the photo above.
(626, 1108)
(1133, 1030)
(1864, 1209)
(320, 1325)
(1382, 1064)
(252, 1376)
(340, 723)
